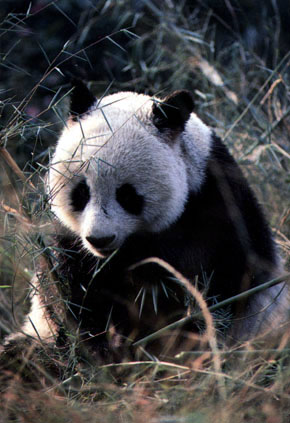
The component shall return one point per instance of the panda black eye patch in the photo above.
(128, 198)
(80, 196)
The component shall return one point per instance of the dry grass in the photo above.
(246, 100)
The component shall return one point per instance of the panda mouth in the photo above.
(105, 252)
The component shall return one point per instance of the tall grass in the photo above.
(155, 48)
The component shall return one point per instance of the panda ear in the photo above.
(81, 98)
(173, 112)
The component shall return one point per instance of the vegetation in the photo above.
(241, 82)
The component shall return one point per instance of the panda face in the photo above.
(114, 174)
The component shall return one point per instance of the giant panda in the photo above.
(134, 177)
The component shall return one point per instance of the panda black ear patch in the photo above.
(173, 112)
(81, 98)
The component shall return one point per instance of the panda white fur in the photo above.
(148, 178)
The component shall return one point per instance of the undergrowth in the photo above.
(240, 91)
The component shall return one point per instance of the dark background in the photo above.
(94, 39)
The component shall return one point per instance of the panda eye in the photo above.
(128, 198)
(80, 196)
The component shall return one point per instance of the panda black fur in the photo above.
(149, 179)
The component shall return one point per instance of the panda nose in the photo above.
(100, 243)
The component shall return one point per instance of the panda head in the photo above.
(126, 166)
